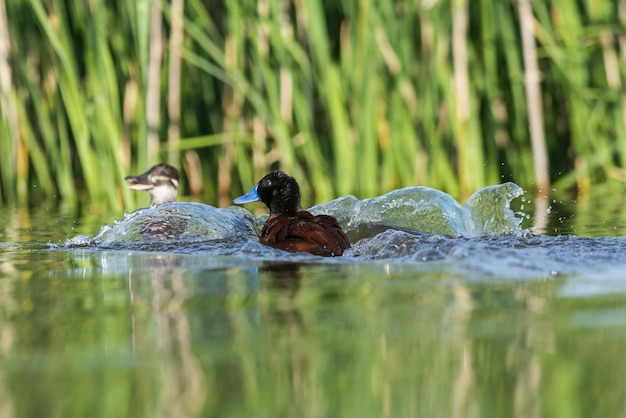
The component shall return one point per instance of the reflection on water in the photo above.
(601, 214)
(140, 334)
(461, 327)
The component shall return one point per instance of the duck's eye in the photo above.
(267, 183)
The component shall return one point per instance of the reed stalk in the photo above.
(533, 97)
(174, 80)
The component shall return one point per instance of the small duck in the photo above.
(161, 181)
(289, 227)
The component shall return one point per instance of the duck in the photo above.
(161, 182)
(290, 227)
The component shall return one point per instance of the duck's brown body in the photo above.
(304, 232)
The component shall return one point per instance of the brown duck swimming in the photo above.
(161, 181)
(289, 227)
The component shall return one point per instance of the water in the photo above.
(486, 321)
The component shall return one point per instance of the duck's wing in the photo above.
(319, 235)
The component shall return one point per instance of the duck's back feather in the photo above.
(304, 232)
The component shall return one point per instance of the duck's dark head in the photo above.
(161, 181)
(279, 192)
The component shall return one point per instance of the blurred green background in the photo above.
(350, 97)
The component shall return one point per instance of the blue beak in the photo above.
(251, 196)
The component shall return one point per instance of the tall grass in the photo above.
(352, 97)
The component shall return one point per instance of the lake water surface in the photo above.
(408, 324)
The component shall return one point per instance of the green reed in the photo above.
(351, 98)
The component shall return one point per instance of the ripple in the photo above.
(411, 226)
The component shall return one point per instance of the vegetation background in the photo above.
(351, 97)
